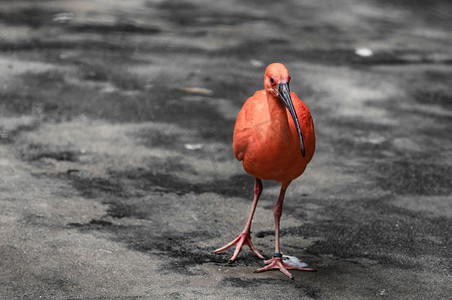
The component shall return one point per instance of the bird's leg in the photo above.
(276, 262)
(245, 236)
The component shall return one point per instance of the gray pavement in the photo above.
(117, 177)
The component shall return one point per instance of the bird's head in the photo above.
(276, 82)
(276, 75)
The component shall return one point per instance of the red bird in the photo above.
(274, 137)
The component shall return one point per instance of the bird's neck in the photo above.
(276, 108)
(278, 115)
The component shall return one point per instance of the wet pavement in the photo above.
(117, 175)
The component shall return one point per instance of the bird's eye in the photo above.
(272, 81)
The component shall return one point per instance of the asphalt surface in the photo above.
(117, 177)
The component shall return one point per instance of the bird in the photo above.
(274, 139)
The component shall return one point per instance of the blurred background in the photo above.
(117, 175)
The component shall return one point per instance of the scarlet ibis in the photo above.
(274, 137)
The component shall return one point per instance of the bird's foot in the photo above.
(277, 263)
(243, 239)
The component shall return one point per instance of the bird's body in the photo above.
(266, 140)
(271, 129)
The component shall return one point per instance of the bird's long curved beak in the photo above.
(284, 95)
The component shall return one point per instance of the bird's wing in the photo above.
(241, 135)
(244, 125)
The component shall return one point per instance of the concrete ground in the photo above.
(117, 175)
